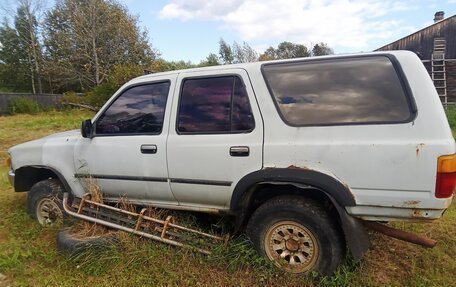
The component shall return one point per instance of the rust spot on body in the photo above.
(419, 147)
(417, 213)
(411, 203)
(297, 167)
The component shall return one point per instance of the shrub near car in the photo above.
(301, 152)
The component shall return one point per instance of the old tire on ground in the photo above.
(44, 201)
(68, 242)
(297, 234)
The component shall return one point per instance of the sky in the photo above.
(191, 29)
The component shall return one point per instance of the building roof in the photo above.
(440, 22)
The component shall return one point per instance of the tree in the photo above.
(211, 60)
(285, 50)
(85, 39)
(161, 65)
(321, 49)
(225, 52)
(244, 53)
(236, 53)
(21, 54)
(13, 67)
(26, 27)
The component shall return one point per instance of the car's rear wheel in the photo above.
(44, 201)
(297, 235)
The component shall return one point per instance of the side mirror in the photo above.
(87, 129)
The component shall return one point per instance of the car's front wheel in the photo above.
(44, 201)
(297, 234)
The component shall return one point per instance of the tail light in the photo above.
(446, 176)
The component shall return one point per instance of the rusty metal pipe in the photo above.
(123, 228)
(400, 234)
(151, 219)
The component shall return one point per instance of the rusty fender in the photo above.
(400, 234)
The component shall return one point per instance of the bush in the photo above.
(23, 105)
(70, 98)
(100, 94)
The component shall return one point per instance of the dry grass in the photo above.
(28, 255)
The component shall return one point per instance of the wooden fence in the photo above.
(45, 100)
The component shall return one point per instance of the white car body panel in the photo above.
(207, 157)
(390, 169)
(120, 156)
(383, 165)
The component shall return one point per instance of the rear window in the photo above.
(349, 91)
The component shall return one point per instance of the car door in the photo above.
(127, 154)
(216, 137)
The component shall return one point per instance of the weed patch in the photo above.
(23, 105)
(28, 255)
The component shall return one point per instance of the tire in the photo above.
(67, 242)
(297, 235)
(44, 201)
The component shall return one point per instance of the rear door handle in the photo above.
(149, 148)
(239, 151)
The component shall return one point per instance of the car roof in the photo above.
(257, 65)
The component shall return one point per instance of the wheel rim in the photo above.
(48, 211)
(291, 246)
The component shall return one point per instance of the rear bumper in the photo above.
(11, 176)
(378, 213)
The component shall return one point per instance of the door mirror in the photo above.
(87, 129)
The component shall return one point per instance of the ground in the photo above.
(28, 255)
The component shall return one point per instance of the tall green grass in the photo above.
(451, 115)
(23, 105)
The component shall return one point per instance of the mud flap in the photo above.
(355, 232)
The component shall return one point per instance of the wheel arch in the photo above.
(299, 177)
(303, 182)
(26, 176)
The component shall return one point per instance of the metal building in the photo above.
(436, 46)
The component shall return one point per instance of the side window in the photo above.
(214, 105)
(138, 110)
(345, 91)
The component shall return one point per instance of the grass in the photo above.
(28, 255)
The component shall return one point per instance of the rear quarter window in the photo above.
(365, 90)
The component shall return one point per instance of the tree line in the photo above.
(96, 46)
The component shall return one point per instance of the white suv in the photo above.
(300, 151)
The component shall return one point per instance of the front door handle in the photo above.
(239, 151)
(149, 148)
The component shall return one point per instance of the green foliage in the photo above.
(86, 40)
(26, 26)
(285, 50)
(71, 97)
(321, 49)
(161, 65)
(225, 52)
(211, 60)
(13, 70)
(451, 115)
(233, 54)
(23, 105)
(98, 96)
(122, 73)
(239, 253)
(28, 255)
(5, 89)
